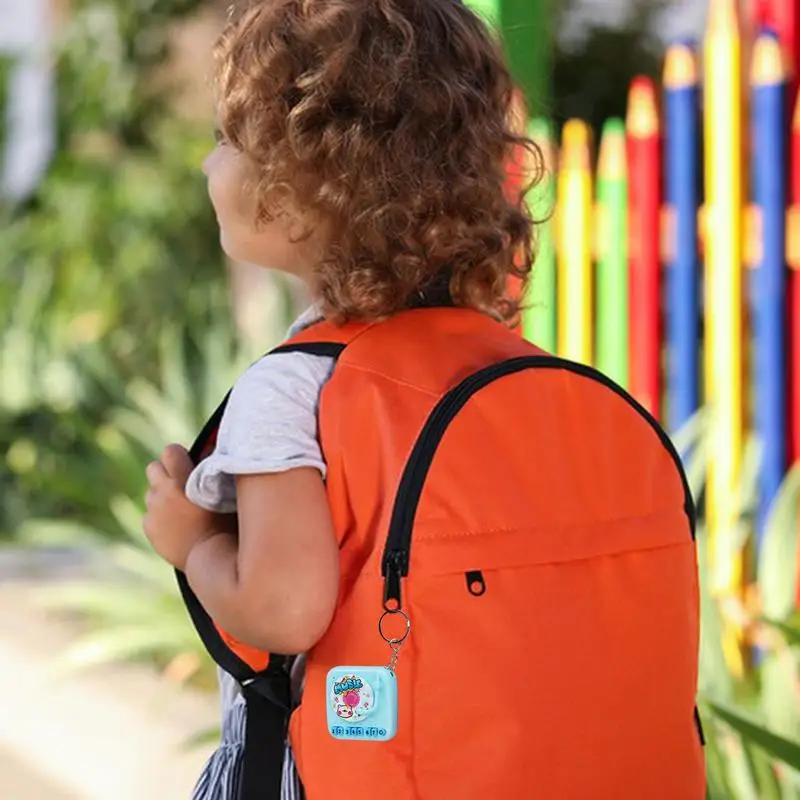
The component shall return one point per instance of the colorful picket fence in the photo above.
(672, 263)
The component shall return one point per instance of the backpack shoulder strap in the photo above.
(266, 684)
(323, 338)
(320, 339)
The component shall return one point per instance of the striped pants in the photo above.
(222, 776)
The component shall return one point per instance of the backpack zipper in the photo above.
(397, 553)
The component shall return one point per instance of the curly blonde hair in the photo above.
(393, 121)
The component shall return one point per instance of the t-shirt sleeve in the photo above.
(269, 425)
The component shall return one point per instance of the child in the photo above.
(361, 149)
(552, 583)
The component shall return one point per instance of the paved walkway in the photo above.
(20, 782)
(110, 734)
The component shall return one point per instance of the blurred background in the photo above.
(669, 257)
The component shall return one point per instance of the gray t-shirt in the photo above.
(269, 425)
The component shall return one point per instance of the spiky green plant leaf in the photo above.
(789, 631)
(777, 569)
(778, 747)
(691, 433)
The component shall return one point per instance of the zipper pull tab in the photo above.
(395, 567)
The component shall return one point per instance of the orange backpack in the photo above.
(535, 524)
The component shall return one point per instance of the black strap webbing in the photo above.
(265, 735)
(267, 694)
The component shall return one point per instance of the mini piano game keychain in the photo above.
(362, 701)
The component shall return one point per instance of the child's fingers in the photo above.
(177, 463)
(156, 473)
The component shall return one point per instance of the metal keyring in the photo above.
(394, 642)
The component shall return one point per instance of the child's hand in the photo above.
(172, 523)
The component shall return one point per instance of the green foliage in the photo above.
(593, 71)
(131, 601)
(120, 235)
(753, 722)
(118, 244)
(139, 416)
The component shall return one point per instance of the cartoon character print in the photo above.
(352, 698)
(350, 701)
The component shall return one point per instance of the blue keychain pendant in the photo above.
(362, 701)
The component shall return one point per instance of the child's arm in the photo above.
(276, 586)
(272, 584)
